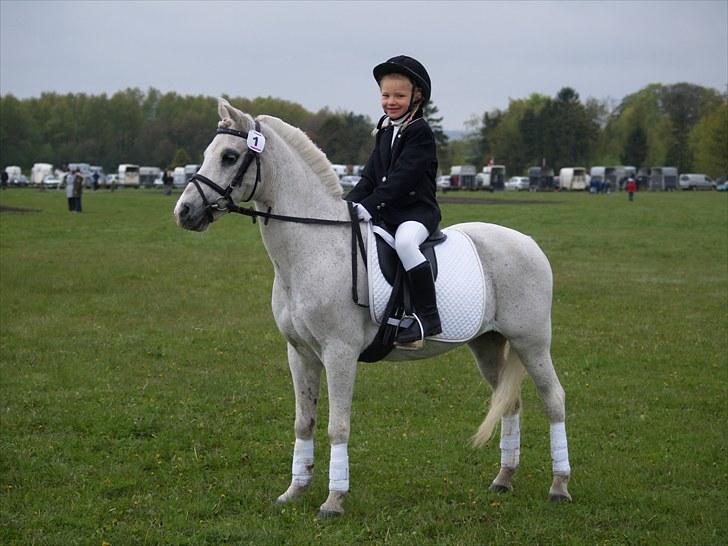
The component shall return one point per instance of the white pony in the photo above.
(312, 297)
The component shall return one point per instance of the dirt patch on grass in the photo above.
(3, 208)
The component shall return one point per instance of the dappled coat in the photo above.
(398, 181)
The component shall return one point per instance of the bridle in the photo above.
(225, 203)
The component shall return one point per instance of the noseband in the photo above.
(225, 201)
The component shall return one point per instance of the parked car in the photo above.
(349, 181)
(443, 183)
(51, 181)
(722, 187)
(19, 180)
(517, 183)
(694, 181)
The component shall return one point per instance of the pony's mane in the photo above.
(308, 151)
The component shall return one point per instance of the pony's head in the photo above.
(228, 174)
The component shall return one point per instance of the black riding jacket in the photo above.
(398, 181)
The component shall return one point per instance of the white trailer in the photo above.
(190, 169)
(663, 178)
(128, 175)
(573, 179)
(39, 171)
(178, 177)
(147, 176)
(340, 170)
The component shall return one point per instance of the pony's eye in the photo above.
(230, 158)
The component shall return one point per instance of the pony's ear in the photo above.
(228, 112)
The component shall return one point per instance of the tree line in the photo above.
(681, 125)
(152, 128)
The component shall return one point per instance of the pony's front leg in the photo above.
(306, 374)
(340, 376)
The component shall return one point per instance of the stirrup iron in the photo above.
(411, 345)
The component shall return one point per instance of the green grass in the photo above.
(145, 396)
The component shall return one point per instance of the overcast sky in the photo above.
(320, 54)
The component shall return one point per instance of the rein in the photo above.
(226, 204)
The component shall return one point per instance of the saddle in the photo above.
(400, 304)
(389, 261)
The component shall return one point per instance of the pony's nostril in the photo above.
(184, 211)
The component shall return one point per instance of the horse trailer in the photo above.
(39, 171)
(340, 170)
(179, 180)
(663, 178)
(128, 175)
(190, 170)
(540, 179)
(147, 176)
(573, 179)
(462, 177)
(492, 178)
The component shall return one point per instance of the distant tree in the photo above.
(709, 142)
(635, 148)
(435, 122)
(345, 137)
(180, 159)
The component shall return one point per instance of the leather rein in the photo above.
(225, 203)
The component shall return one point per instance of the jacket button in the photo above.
(412, 192)
(383, 205)
(384, 179)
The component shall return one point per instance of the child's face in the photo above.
(396, 95)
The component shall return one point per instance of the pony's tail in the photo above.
(506, 396)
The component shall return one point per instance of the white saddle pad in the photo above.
(460, 286)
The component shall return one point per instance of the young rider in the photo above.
(397, 188)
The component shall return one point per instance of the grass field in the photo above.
(145, 396)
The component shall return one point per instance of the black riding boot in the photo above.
(425, 304)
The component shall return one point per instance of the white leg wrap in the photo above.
(559, 449)
(302, 462)
(510, 442)
(339, 468)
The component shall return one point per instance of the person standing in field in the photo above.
(167, 180)
(631, 187)
(397, 187)
(78, 190)
(70, 191)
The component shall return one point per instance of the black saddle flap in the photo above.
(389, 261)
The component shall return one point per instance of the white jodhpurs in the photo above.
(407, 240)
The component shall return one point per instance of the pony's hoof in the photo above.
(498, 488)
(553, 497)
(328, 514)
(559, 491)
(291, 494)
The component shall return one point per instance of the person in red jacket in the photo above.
(397, 188)
(631, 187)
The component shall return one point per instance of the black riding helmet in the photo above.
(407, 66)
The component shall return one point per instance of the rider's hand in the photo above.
(362, 213)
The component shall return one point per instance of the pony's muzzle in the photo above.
(189, 218)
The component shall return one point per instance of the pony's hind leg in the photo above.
(306, 374)
(536, 357)
(491, 354)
